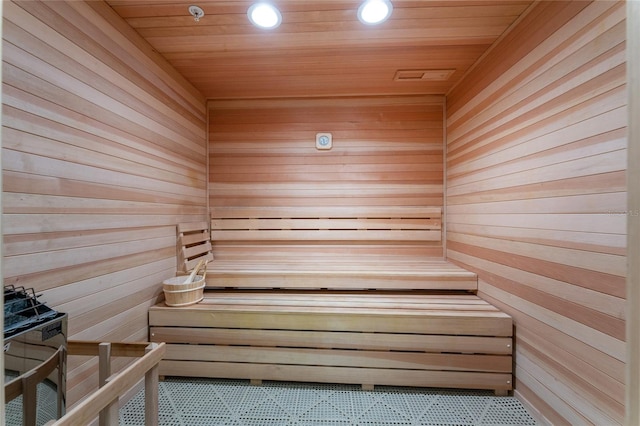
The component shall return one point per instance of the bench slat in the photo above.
(373, 265)
(334, 339)
(354, 312)
(321, 374)
(337, 281)
(382, 273)
(342, 358)
(331, 319)
(402, 298)
(353, 301)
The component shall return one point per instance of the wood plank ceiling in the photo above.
(321, 49)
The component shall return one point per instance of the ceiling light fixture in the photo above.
(373, 12)
(196, 12)
(264, 15)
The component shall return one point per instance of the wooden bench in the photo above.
(335, 297)
(338, 248)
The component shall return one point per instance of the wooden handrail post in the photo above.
(61, 402)
(104, 363)
(151, 393)
(29, 398)
(109, 414)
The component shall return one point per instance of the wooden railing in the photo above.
(103, 403)
(27, 386)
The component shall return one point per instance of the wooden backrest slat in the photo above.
(372, 224)
(193, 243)
(199, 237)
(192, 227)
(190, 264)
(197, 250)
(325, 212)
(327, 223)
(326, 235)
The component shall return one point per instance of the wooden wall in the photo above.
(103, 153)
(633, 216)
(536, 201)
(387, 151)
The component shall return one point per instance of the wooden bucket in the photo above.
(177, 293)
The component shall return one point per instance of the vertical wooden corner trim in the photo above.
(207, 151)
(633, 216)
(2, 415)
(445, 144)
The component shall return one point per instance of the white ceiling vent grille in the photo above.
(423, 75)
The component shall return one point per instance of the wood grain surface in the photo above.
(103, 154)
(536, 202)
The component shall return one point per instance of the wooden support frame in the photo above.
(27, 386)
(105, 398)
(109, 414)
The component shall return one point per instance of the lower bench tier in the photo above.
(368, 338)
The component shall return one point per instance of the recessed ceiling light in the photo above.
(264, 15)
(372, 12)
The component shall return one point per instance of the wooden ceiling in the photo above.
(321, 49)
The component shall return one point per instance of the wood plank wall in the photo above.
(536, 201)
(104, 151)
(633, 216)
(387, 151)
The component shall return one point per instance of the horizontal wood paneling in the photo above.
(536, 201)
(320, 49)
(387, 151)
(633, 215)
(103, 154)
(262, 153)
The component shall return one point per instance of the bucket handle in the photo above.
(204, 272)
(201, 264)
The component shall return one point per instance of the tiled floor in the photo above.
(207, 402)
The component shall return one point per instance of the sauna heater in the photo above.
(35, 341)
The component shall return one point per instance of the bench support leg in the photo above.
(255, 382)
(501, 392)
(367, 387)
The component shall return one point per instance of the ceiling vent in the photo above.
(423, 75)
